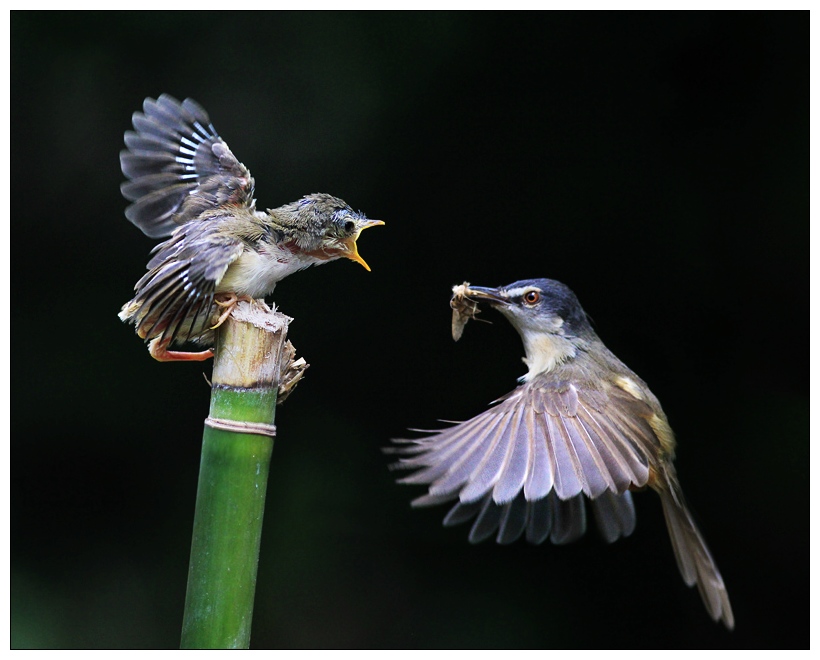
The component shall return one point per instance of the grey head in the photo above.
(325, 225)
(537, 306)
(546, 313)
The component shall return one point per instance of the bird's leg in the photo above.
(228, 301)
(158, 348)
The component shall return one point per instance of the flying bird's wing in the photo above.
(527, 462)
(178, 167)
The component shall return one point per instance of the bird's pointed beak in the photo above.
(485, 293)
(351, 251)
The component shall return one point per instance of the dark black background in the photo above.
(655, 162)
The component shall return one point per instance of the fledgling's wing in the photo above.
(178, 167)
(538, 451)
(174, 299)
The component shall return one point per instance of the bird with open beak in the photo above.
(580, 426)
(186, 183)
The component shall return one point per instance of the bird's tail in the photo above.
(694, 560)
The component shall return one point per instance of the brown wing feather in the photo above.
(174, 299)
(178, 167)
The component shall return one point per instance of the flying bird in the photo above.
(580, 427)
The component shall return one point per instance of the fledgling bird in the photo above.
(580, 426)
(186, 183)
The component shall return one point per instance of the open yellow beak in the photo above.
(350, 249)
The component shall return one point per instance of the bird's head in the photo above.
(337, 225)
(545, 313)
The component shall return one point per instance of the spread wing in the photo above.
(178, 167)
(527, 462)
(174, 299)
(560, 521)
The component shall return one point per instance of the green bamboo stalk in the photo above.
(250, 363)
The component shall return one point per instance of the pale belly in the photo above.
(255, 274)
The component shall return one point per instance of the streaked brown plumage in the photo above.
(581, 426)
(186, 183)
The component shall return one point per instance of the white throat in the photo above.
(545, 351)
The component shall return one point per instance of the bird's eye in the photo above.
(532, 297)
(350, 226)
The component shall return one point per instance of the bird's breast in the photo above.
(256, 272)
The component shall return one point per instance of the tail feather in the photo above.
(694, 560)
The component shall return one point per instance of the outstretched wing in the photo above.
(178, 167)
(560, 521)
(174, 299)
(539, 450)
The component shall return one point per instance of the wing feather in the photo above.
(567, 482)
(460, 473)
(462, 512)
(539, 520)
(487, 521)
(513, 521)
(540, 478)
(488, 471)
(453, 466)
(178, 167)
(562, 521)
(526, 465)
(446, 446)
(627, 448)
(516, 464)
(614, 515)
(174, 300)
(616, 465)
(593, 473)
(567, 396)
(569, 519)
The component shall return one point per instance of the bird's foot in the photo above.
(158, 348)
(228, 301)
